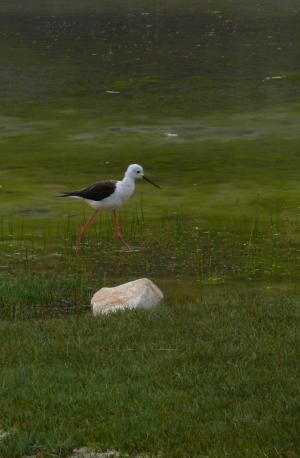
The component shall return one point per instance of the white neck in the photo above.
(128, 181)
(128, 178)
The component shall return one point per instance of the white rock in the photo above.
(141, 293)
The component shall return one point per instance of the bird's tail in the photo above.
(68, 194)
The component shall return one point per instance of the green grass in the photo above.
(42, 296)
(214, 378)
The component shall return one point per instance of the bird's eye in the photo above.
(138, 171)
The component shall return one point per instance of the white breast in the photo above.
(125, 189)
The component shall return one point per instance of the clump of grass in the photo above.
(42, 296)
(213, 378)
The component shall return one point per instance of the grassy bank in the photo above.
(216, 378)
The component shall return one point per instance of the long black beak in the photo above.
(149, 181)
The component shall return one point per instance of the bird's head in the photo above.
(136, 171)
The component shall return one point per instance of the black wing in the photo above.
(96, 192)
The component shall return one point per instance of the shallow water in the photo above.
(205, 96)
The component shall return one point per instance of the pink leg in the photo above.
(118, 230)
(83, 229)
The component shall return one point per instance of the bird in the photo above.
(109, 195)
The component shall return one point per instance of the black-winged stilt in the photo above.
(110, 195)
